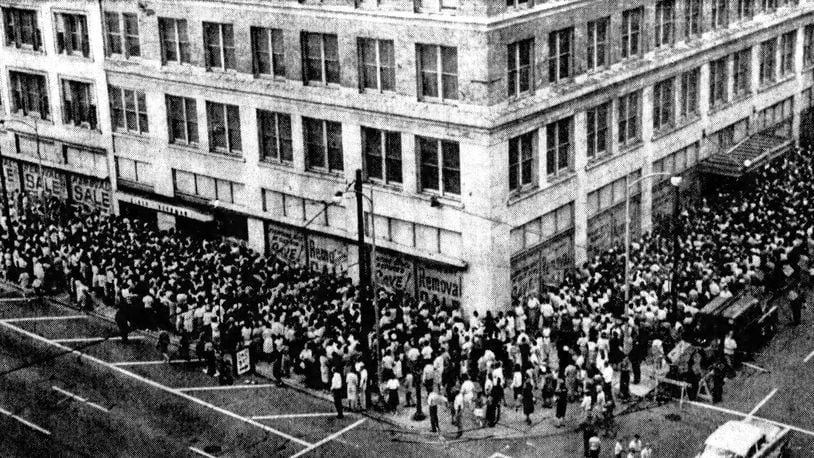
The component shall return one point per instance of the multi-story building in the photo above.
(495, 138)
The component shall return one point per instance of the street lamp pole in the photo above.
(675, 180)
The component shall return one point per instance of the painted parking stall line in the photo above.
(25, 422)
(226, 387)
(746, 415)
(156, 362)
(328, 439)
(808, 358)
(90, 404)
(92, 339)
(45, 318)
(294, 415)
(762, 402)
(157, 385)
(201, 452)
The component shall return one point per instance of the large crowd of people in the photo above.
(567, 344)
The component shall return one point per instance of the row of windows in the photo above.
(29, 97)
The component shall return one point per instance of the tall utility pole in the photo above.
(676, 251)
(364, 271)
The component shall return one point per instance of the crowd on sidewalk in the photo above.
(566, 344)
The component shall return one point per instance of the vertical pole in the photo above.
(676, 251)
(39, 157)
(374, 297)
(627, 243)
(6, 210)
(305, 248)
(364, 279)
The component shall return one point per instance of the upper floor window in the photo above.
(787, 52)
(440, 169)
(321, 55)
(382, 154)
(663, 104)
(665, 18)
(122, 34)
(378, 64)
(183, 120)
(514, 3)
(274, 130)
(439, 72)
(693, 18)
(128, 110)
(78, 104)
(559, 147)
(769, 5)
(598, 121)
(720, 14)
(519, 68)
(521, 160)
(72, 34)
(219, 46)
(768, 61)
(717, 82)
(29, 94)
(745, 9)
(268, 56)
(323, 144)
(598, 43)
(808, 45)
(174, 40)
(631, 32)
(688, 96)
(741, 65)
(224, 127)
(560, 54)
(629, 114)
(22, 30)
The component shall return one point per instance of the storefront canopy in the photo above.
(755, 151)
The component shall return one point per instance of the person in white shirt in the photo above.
(336, 389)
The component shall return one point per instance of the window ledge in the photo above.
(630, 147)
(134, 60)
(324, 173)
(79, 128)
(275, 165)
(599, 161)
(27, 50)
(25, 120)
(444, 200)
(380, 185)
(269, 77)
(774, 84)
(74, 57)
(132, 135)
(673, 128)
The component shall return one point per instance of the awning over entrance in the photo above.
(757, 149)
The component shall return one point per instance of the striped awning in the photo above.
(757, 149)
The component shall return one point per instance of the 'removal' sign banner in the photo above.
(435, 282)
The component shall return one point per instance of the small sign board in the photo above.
(243, 364)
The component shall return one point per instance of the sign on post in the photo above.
(243, 361)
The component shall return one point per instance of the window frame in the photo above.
(379, 66)
(718, 79)
(219, 56)
(768, 62)
(191, 127)
(664, 104)
(283, 141)
(626, 114)
(229, 116)
(595, 130)
(560, 57)
(741, 72)
(808, 45)
(79, 89)
(746, 9)
(389, 152)
(522, 161)
(598, 55)
(18, 89)
(127, 42)
(788, 41)
(665, 23)
(68, 33)
(438, 72)
(14, 28)
(324, 60)
(140, 113)
(719, 13)
(555, 148)
(689, 83)
(631, 35)
(443, 171)
(515, 67)
(693, 18)
(276, 57)
(328, 151)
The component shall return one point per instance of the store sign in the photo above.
(393, 271)
(52, 182)
(285, 244)
(92, 192)
(544, 264)
(326, 253)
(435, 282)
(12, 172)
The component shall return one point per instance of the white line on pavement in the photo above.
(80, 399)
(226, 387)
(763, 401)
(97, 406)
(93, 339)
(499, 455)
(293, 415)
(201, 452)
(156, 362)
(746, 415)
(808, 358)
(328, 439)
(755, 367)
(13, 299)
(45, 318)
(155, 384)
(25, 422)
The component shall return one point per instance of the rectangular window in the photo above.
(742, 61)
(693, 18)
(22, 30)
(438, 67)
(128, 110)
(268, 57)
(323, 144)
(769, 6)
(629, 113)
(717, 82)
(516, 3)
(787, 53)
(182, 120)
(598, 43)
(631, 32)
(598, 119)
(174, 40)
(274, 130)
(665, 18)
(29, 95)
(382, 154)
(219, 46)
(440, 168)
(122, 34)
(519, 67)
(206, 187)
(224, 127)
(72, 34)
(559, 149)
(768, 61)
(720, 14)
(321, 58)
(745, 9)
(808, 45)
(689, 94)
(521, 161)
(663, 106)
(378, 64)
(560, 55)
(78, 104)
